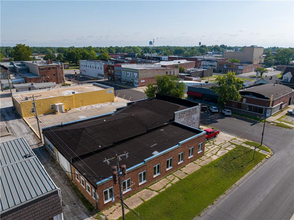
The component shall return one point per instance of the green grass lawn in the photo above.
(189, 197)
(254, 144)
(71, 67)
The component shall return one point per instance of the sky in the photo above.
(135, 23)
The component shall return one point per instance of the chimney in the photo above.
(49, 61)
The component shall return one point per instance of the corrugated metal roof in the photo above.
(22, 176)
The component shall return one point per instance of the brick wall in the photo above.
(134, 174)
(48, 74)
(190, 64)
(196, 60)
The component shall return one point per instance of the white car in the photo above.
(213, 109)
(226, 112)
(291, 112)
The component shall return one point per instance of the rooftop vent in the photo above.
(155, 152)
(27, 155)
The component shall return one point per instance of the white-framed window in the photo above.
(77, 176)
(169, 163)
(108, 194)
(83, 182)
(200, 147)
(142, 177)
(88, 188)
(94, 194)
(32, 110)
(126, 185)
(156, 170)
(191, 152)
(181, 157)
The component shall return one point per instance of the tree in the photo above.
(21, 52)
(233, 60)
(150, 90)
(261, 70)
(166, 85)
(202, 49)
(182, 69)
(227, 88)
(284, 56)
(49, 56)
(1, 57)
(103, 56)
(60, 57)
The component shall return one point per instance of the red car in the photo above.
(210, 133)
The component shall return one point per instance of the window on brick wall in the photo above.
(94, 195)
(77, 176)
(52, 107)
(83, 182)
(126, 185)
(191, 152)
(169, 163)
(88, 188)
(53, 68)
(49, 68)
(200, 147)
(42, 69)
(142, 177)
(108, 194)
(156, 170)
(32, 110)
(180, 157)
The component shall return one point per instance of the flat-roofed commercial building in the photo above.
(253, 55)
(61, 99)
(160, 135)
(26, 189)
(143, 74)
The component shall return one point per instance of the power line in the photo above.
(118, 171)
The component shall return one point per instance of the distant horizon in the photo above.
(133, 23)
(146, 46)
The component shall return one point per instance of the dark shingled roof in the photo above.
(92, 135)
(139, 149)
(266, 90)
(291, 70)
(140, 129)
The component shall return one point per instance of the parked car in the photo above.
(211, 133)
(290, 112)
(213, 109)
(226, 112)
(204, 108)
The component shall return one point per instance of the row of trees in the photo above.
(227, 87)
(73, 54)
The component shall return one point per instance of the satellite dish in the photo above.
(150, 43)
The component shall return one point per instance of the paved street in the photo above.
(268, 192)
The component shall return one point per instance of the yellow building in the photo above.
(61, 99)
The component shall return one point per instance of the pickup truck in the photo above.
(210, 133)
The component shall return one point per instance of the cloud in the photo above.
(90, 36)
(241, 30)
(233, 35)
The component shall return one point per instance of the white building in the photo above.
(92, 68)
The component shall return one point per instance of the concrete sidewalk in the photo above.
(214, 149)
(275, 118)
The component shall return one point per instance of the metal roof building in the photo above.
(26, 190)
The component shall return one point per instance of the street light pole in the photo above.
(262, 134)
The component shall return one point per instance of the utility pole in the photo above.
(37, 117)
(118, 171)
(262, 134)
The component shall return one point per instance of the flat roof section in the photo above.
(62, 91)
(139, 148)
(23, 178)
(99, 133)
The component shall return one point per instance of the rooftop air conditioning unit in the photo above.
(26, 98)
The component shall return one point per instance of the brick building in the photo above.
(39, 71)
(142, 74)
(177, 63)
(26, 189)
(194, 59)
(253, 55)
(238, 68)
(160, 135)
(257, 100)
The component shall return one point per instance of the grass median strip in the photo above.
(189, 197)
(254, 144)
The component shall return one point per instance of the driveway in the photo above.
(268, 192)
